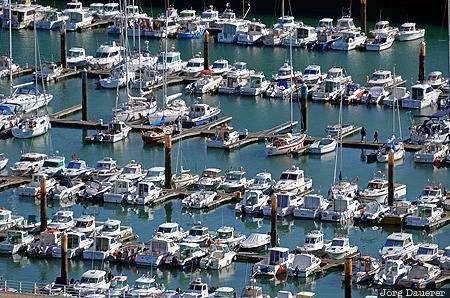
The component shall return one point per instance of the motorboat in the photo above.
(312, 75)
(198, 234)
(252, 290)
(314, 244)
(16, 242)
(391, 273)
(304, 265)
(158, 250)
(240, 68)
(256, 242)
(105, 168)
(420, 276)
(383, 78)
(331, 90)
(73, 5)
(31, 127)
(397, 214)
(192, 29)
(156, 134)
(252, 203)
(194, 66)
(342, 209)
(53, 164)
(200, 199)
(104, 246)
(284, 27)
(65, 189)
(48, 72)
(365, 269)
(52, 20)
(117, 131)
(391, 144)
(47, 242)
(232, 84)
(118, 285)
(209, 17)
(286, 203)
(119, 191)
(114, 228)
(227, 235)
(189, 255)
(146, 286)
(197, 288)
(312, 207)
(77, 58)
(95, 8)
(148, 78)
(170, 62)
(78, 19)
(285, 144)
(171, 230)
(301, 37)
(86, 224)
(27, 98)
(340, 248)
(210, 179)
(28, 164)
(325, 24)
(235, 181)
(92, 281)
(220, 256)
(293, 180)
(156, 175)
(220, 67)
(77, 243)
(263, 182)
(118, 78)
(431, 195)
(408, 31)
(278, 261)
(132, 171)
(94, 190)
(162, 27)
(345, 24)
(286, 72)
(187, 15)
(352, 93)
(200, 114)
(34, 187)
(231, 30)
(426, 253)
(422, 96)
(343, 188)
(8, 119)
(375, 95)
(22, 16)
(106, 56)
(424, 216)
(146, 192)
(383, 27)
(398, 246)
(281, 89)
(349, 40)
(8, 220)
(396, 97)
(436, 79)
(256, 32)
(380, 43)
(62, 221)
(323, 146)
(109, 11)
(224, 136)
(371, 212)
(432, 129)
(3, 161)
(377, 190)
(431, 153)
(76, 168)
(444, 260)
(207, 83)
(184, 178)
(256, 85)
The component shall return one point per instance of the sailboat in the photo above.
(184, 177)
(284, 27)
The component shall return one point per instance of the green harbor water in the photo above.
(248, 113)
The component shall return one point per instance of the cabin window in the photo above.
(429, 90)
(337, 242)
(426, 251)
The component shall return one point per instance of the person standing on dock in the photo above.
(375, 136)
(363, 134)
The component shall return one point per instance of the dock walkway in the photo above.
(7, 182)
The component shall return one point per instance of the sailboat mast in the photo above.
(448, 28)
(35, 58)
(341, 116)
(10, 50)
(125, 49)
(393, 110)
(292, 74)
(165, 55)
(282, 8)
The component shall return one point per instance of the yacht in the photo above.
(314, 244)
(431, 153)
(132, 171)
(231, 30)
(146, 192)
(340, 248)
(257, 31)
(210, 179)
(200, 114)
(220, 256)
(391, 274)
(62, 221)
(76, 168)
(65, 189)
(312, 207)
(383, 27)
(86, 224)
(118, 78)
(396, 97)
(26, 98)
(225, 136)
(173, 64)
(263, 182)
(431, 195)
(302, 36)
(345, 24)
(286, 203)
(331, 90)
(256, 85)
(209, 17)
(197, 288)
(350, 40)
(16, 242)
(220, 67)
(156, 175)
(365, 269)
(252, 203)
(105, 168)
(135, 108)
(53, 165)
(78, 19)
(106, 56)
(207, 83)
(47, 242)
(371, 212)
(426, 253)
(422, 96)
(235, 181)
(22, 16)
(398, 246)
(104, 246)
(31, 127)
(286, 72)
(191, 29)
(278, 261)
(228, 15)
(158, 251)
(72, 6)
(424, 216)
(34, 187)
(117, 131)
(194, 66)
(304, 265)
(323, 146)
(232, 84)
(171, 230)
(342, 209)
(392, 144)
(119, 192)
(187, 256)
(186, 16)
(408, 31)
(380, 43)
(77, 243)
(433, 129)
(377, 190)
(421, 276)
(163, 27)
(146, 286)
(198, 234)
(293, 180)
(184, 178)
(118, 284)
(312, 75)
(77, 58)
(436, 80)
(28, 164)
(109, 11)
(92, 281)
(174, 110)
(285, 144)
(52, 20)
(325, 24)
(284, 27)
(227, 235)
(383, 78)
(343, 188)
(397, 213)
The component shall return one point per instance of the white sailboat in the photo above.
(32, 127)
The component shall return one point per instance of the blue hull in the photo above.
(191, 35)
(190, 124)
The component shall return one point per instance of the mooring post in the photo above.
(348, 277)
(84, 94)
(168, 160)
(304, 107)
(363, 15)
(64, 260)
(64, 46)
(391, 178)
(206, 50)
(43, 199)
(422, 56)
(274, 218)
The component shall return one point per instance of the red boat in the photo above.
(155, 134)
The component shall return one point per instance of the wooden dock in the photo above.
(67, 74)
(8, 182)
(96, 24)
(22, 72)
(445, 220)
(66, 112)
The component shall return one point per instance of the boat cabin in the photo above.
(278, 255)
(111, 226)
(340, 242)
(325, 24)
(159, 246)
(313, 201)
(426, 210)
(435, 77)
(252, 197)
(399, 240)
(84, 222)
(220, 64)
(211, 173)
(407, 27)
(5, 216)
(106, 163)
(74, 5)
(345, 24)
(74, 239)
(188, 249)
(314, 237)
(168, 229)
(381, 25)
(239, 66)
(104, 243)
(186, 15)
(285, 199)
(133, 10)
(225, 233)
(199, 109)
(293, 174)
(16, 237)
(285, 22)
(335, 73)
(306, 32)
(56, 162)
(199, 288)
(234, 176)
(341, 203)
(172, 58)
(198, 231)
(430, 249)
(62, 217)
(257, 79)
(93, 279)
(122, 186)
(209, 14)
(77, 165)
(332, 85)
(421, 91)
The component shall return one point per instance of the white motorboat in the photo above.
(444, 260)
(365, 269)
(232, 83)
(425, 215)
(350, 40)
(220, 67)
(48, 240)
(391, 274)
(77, 243)
(86, 224)
(118, 285)
(156, 175)
(3, 161)
(383, 78)
(148, 78)
(331, 90)
(158, 250)
(422, 96)
(28, 164)
(397, 213)
(325, 24)
(104, 246)
(53, 165)
(92, 281)
(353, 93)
(31, 127)
(8, 118)
(377, 190)
(340, 248)
(252, 203)
(345, 24)
(408, 31)
(23, 15)
(65, 189)
(118, 78)
(200, 114)
(105, 168)
(314, 244)
(391, 144)
(371, 212)
(16, 242)
(224, 137)
(286, 72)
(255, 243)
(343, 188)
(188, 256)
(398, 246)
(197, 288)
(200, 199)
(431, 195)
(262, 182)
(231, 30)
(132, 171)
(383, 27)
(312, 207)
(146, 286)
(220, 256)
(171, 230)
(256, 85)
(293, 180)
(109, 11)
(421, 276)
(26, 98)
(426, 253)
(95, 8)
(76, 58)
(52, 20)
(187, 15)
(184, 178)
(380, 43)
(278, 261)
(235, 181)
(396, 97)
(301, 36)
(198, 234)
(240, 68)
(210, 179)
(94, 190)
(76, 168)
(256, 32)
(162, 27)
(281, 89)
(304, 265)
(73, 5)
(209, 17)
(106, 56)
(114, 228)
(341, 209)
(120, 191)
(194, 66)
(62, 221)
(145, 193)
(436, 79)
(431, 130)
(285, 144)
(227, 235)
(48, 72)
(8, 220)
(170, 63)
(207, 83)
(322, 146)
(284, 27)
(286, 203)
(375, 95)
(431, 153)
(34, 187)
(78, 19)
(312, 75)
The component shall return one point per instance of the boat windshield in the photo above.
(90, 280)
(209, 174)
(197, 232)
(195, 287)
(425, 212)
(61, 219)
(155, 173)
(287, 176)
(14, 237)
(224, 235)
(393, 243)
(129, 170)
(51, 164)
(251, 199)
(83, 224)
(117, 284)
(233, 177)
(311, 240)
(379, 76)
(431, 192)
(194, 64)
(425, 251)
(4, 217)
(74, 165)
(75, 54)
(337, 242)
(209, 14)
(110, 228)
(103, 165)
(219, 65)
(165, 230)
(101, 55)
(142, 285)
(311, 71)
(375, 186)
(73, 242)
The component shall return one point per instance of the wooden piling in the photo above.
(304, 107)
(206, 50)
(363, 15)
(391, 178)
(43, 201)
(64, 260)
(168, 160)
(422, 56)
(274, 218)
(84, 100)
(64, 46)
(348, 277)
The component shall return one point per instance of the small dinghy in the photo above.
(304, 265)
(322, 146)
(200, 199)
(255, 243)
